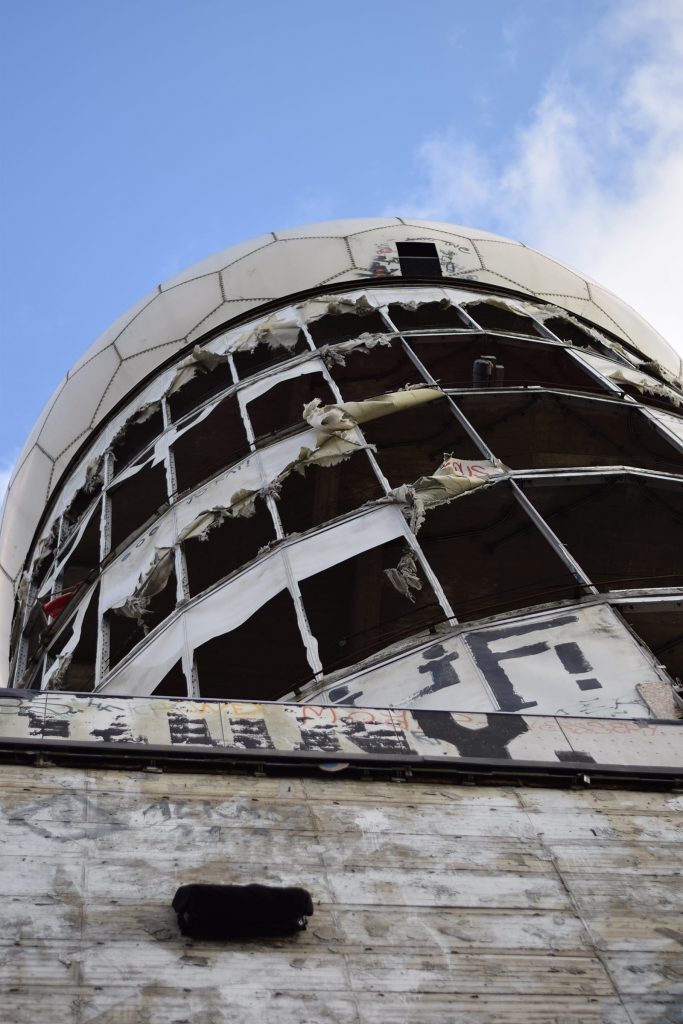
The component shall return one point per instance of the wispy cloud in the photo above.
(596, 172)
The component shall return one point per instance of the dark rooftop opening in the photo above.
(490, 557)
(210, 445)
(418, 259)
(226, 547)
(262, 659)
(355, 611)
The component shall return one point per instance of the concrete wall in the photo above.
(434, 902)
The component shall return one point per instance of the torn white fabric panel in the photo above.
(75, 538)
(335, 355)
(201, 360)
(229, 606)
(338, 418)
(342, 541)
(218, 612)
(260, 387)
(148, 585)
(626, 375)
(453, 478)
(277, 330)
(54, 677)
(120, 579)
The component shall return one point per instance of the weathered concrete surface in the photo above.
(434, 902)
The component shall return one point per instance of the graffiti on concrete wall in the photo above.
(335, 732)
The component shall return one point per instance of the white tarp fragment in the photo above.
(404, 577)
(626, 375)
(279, 330)
(336, 419)
(226, 608)
(335, 355)
(453, 478)
(149, 584)
(260, 387)
(54, 677)
(200, 360)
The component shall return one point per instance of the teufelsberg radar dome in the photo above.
(380, 495)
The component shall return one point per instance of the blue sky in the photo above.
(139, 137)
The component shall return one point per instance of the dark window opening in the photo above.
(624, 532)
(327, 492)
(418, 259)
(537, 430)
(451, 362)
(662, 631)
(427, 316)
(135, 501)
(367, 374)
(226, 547)
(82, 500)
(79, 677)
(263, 356)
(662, 401)
(135, 437)
(85, 557)
(173, 684)
(283, 405)
(125, 633)
(565, 330)
(489, 556)
(341, 326)
(210, 445)
(204, 385)
(492, 317)
(371, 373)
(355, 611)
(413, 443)
(262, 659)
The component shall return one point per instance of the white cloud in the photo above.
(596, 175)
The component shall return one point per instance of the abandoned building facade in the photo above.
(326, 526)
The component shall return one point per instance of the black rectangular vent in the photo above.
(418, 259)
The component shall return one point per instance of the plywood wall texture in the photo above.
(433, 903)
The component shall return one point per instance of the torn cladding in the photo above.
(392, 485)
